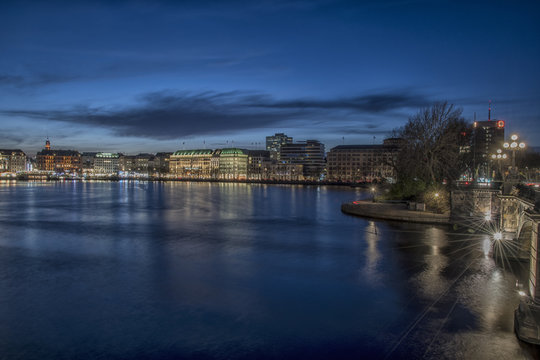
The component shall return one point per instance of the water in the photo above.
(126, 270)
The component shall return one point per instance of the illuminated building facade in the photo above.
(12, 160)
(106, 163)
(363, 163)
(58, 161)
(233, 164)
(309, 154)
(192, 163)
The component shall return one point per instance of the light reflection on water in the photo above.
(168, 270)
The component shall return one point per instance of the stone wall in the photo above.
(475, 203)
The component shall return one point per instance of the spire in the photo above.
(489, 111)
(47, 144)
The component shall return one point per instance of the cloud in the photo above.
(171, 115)
(14, 140)
(376, 103)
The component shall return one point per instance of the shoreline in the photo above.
(161, 179)
(393, 211)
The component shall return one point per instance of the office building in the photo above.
(309, 154)
(363, 163)
(487, 137)
(274, 143)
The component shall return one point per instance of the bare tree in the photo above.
(433, 140)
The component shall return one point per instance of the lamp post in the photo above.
(499, 156)
(514, 145)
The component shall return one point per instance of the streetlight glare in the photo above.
(513, 145)
(514, 137)
(521, 145)
(506, 145)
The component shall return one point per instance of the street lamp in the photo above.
(514, 145)
(499, 156)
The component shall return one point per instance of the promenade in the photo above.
(393, 211)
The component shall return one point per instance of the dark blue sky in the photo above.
(152, 76)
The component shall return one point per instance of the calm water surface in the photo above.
(224, 271)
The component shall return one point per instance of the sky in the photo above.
(152, 76)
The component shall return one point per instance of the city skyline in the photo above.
(131, 77)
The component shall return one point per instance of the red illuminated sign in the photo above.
(500, 124)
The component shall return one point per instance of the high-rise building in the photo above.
(308, 153)
(274, 143)
(487, 137)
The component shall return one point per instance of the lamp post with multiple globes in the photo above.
(499, 156)
(514, 145)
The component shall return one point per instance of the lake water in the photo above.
(125, 270)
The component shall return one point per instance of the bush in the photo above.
(410, 190)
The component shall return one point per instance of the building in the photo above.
(144, 163)
(233, 164)
(196, 164)
(363, 163)
(274, 143)
(12, 160)
(257, 161)
(58, 161)
(106, 163)
(278, 171)
(309, 154)
(87, 161)
(127, 163)
(161, 162)
(487, 137)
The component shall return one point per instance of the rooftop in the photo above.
(193, 152)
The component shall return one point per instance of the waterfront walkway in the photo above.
(393, 211)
